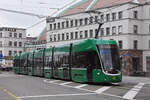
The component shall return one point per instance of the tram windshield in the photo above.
(110, 58)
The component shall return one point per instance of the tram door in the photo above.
(89, 73)
(90, 66)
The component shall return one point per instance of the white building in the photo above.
(11, 43)
(126, 21)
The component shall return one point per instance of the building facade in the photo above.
(126, 21)
(36, 43)
(11, 43)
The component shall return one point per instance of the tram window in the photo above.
(85, 59)
(61, 60)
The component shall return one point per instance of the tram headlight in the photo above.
(98, 73)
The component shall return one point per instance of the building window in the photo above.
(50, 37)
(113, 16)
(91, 20)
(76, 22)
(1, 52)
(71, 22)
(86, 33)
(10, 53)
(120, 15)
(149, 44)
(63, 24)
(71, 35)
(135, 14)
(149, 13)
(102, 31)
(96, 32)
(50, 26)
(76, 35)
(1, 44)
(81, 34)
(15, 43)
(20, 35)
(81, 21)
(135, 44)
(10, 43)
(15, 35)
(63, 36)
(20, 52)
(15, 52)
(96, 18)
(58, 25)
(149, 29)
(102, 18)
(20, 44)
(135, 29)
(120, 29)
(91, 33)
(107, 31)
(55, 37)
(113, 30)
(67, 24)
(86, 21)
(54, 26)
(120, 44)
(1, 35)
(58, 37)
(67, 36)
(10, 34)
(107, 17)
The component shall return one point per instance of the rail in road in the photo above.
(131, 91)
(20, 87)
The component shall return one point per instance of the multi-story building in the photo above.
(36, 43)
(126, 21)
(11, 43)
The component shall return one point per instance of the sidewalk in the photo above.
(135, 79)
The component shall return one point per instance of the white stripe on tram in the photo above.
(80, 86)
(101, 90)
(65, 83)
(134, 91)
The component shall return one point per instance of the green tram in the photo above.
(91, 60)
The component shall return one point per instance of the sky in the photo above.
(39, 7)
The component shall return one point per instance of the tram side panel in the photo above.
(48, 63)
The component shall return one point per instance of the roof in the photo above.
(84, 5)
(42, 36)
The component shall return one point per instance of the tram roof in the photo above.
(16, 56)
(24, 55)
(90, 44)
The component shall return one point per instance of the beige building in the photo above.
(126, 21)
(11, 43)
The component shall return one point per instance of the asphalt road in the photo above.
(22, 87)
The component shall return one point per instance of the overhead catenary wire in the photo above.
(24, 13)
(44, 16)
(36, 23)
(91, 15)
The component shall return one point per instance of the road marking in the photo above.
(65, 83)
(80, 86)
(12, 95)
(47, 81)
(107, 94)
(101, 90)
(60, 95)
(134, 91)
